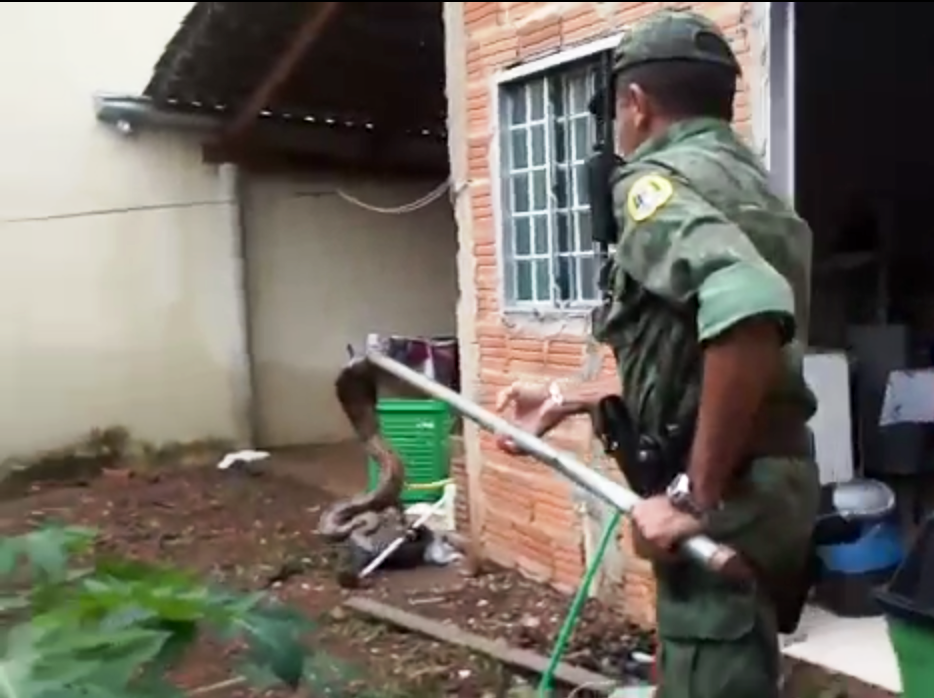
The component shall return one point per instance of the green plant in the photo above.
(117, 628)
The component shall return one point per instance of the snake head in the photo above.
(357, 390)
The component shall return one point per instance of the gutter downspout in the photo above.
(244, 377)
(128, 114)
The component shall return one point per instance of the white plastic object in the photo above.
(245, 456)
(441, 512)
(422, 520)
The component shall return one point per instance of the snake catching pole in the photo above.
(712, 555)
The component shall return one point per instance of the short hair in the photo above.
(684, 89)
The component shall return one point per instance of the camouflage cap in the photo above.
(674, 35)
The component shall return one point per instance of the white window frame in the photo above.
(501, 81)
(776, 111)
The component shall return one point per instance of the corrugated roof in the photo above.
(376, 66)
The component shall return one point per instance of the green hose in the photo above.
(577, 605)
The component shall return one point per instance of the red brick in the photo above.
(506, 494)
(539, 37)
(534, 551)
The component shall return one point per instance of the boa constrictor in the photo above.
(360, 518)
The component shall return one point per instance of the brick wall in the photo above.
(459, 474)
(528, 518)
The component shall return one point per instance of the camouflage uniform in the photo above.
(705, 244)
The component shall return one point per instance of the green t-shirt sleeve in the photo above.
(679, 247)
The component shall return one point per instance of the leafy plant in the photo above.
(116, 628)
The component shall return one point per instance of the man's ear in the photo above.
(640, 104)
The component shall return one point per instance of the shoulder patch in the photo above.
(647, 196)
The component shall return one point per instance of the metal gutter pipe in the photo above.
(127, 113)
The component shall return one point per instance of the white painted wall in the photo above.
(324, 273)
(118, 271)
(128, 317)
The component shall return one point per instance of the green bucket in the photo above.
(420, 432)
(908, 605)
(914, 649)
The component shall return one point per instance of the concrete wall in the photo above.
(117, 292)
(526, 515)
(323, 273)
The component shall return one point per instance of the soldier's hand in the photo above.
(661, 526)
(534, 408)
(647, 551)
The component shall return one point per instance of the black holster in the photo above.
(649, 464)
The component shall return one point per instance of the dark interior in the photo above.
(865, 164)
(865, 181)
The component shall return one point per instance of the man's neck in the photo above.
(676, 130)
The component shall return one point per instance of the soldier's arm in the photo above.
(682, 249)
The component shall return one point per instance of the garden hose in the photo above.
(577, 605)
(423, 486)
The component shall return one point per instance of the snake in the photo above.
(359, 517)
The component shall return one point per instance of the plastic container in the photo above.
(878, 547)
(853, 571)
(420, 432)
(908, 604)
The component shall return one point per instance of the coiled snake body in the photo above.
(359, 518)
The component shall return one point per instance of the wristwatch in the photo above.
(679, 494)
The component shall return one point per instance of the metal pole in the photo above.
(700, 548)
(397, 543)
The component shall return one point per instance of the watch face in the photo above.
(680, 486)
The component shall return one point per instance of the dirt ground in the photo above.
(256, 531)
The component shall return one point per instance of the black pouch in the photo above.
(616, 430)
(648, 464)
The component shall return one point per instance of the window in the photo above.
(547, 134)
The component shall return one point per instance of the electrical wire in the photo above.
(90, 213)
(410, 207)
